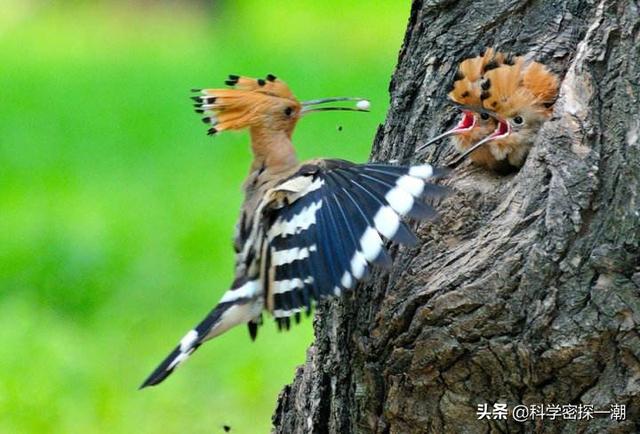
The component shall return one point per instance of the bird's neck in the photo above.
(272, 150)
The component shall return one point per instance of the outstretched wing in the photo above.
(315, 235)
(327, 228)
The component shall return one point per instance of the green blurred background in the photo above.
(117, 211)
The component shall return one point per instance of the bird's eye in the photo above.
(288, 111)
(484, 116)
(518, 120)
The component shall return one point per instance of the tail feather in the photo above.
(224, 316)
(168, 365)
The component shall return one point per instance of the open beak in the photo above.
(362, 105)
(502, 130)
(466, 124)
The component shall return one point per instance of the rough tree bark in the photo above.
(528, 289)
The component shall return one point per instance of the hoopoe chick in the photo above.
(465, 93)
(521, 96)
(307, 230)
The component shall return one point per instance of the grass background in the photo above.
(117, 211)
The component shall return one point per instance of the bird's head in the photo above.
(474, 123)
(267, 105)
(466, 91)
(521, 96)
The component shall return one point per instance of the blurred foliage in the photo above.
(117, 211)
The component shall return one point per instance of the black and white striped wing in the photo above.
(325, 236)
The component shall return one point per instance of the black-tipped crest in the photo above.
(232, 80)
(241, 106)
(510, 59)
(234, 77)
(493, 64)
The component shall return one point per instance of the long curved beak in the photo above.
(362, 105)
(502, 130)
(467, 123)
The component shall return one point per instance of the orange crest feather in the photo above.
(510, 88)
(466, 87)
(541, 82)
(269, 86)
(501, 87)
(242, 106)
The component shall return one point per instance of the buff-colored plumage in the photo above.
(264, 106)
(504, 101)
(466, 91)
(522, 95)
(501, 85)
(268, 86)
(307, 230)
(541, 83)
(466, 87)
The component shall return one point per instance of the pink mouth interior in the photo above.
(502, 130)
(467, 122)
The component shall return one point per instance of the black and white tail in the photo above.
(239, 305)
(315, 235)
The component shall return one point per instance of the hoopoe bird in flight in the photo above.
(504, 100)
(307, 230)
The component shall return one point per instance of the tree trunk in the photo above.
(527, 291)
